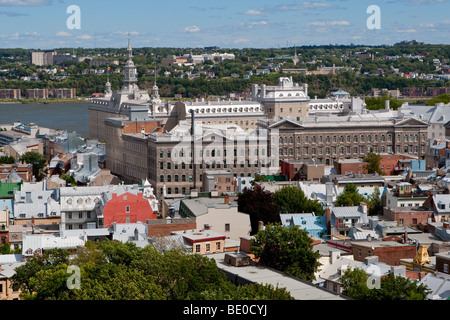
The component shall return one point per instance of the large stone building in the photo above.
(331, 138)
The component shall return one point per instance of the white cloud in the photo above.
(84, 37)
(328, 23)
(427, 25)
(24, 3)
(133, 33)
(305, 5)
(63, 34)
(407, 31)
(191, 29)
(253, 12)
(259, 23)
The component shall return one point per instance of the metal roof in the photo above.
(347, 212)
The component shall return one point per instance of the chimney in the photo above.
(334, 256)
(363, 207)
(399, 270)
(136, 234)
(446, 225)
(405, 237)
(371, 259)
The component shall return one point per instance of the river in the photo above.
(66, 116)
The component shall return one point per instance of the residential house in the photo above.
(439, 286)
(217, 214)
(330, 276)
(389, 252)
(37, 244)
(306, 169)
(4, 226)
(314, 225)
(82, 207)
(365, 183)
(16, 172)
(341, 219)
(127, 208)
(219, 180)
(443, 262)
(405, 204)
(440, 204)
(203, 241)
(40, 207)
(7, 290)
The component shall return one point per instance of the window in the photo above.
(445, 269)
(208, 247)
(218, 245)
(70, 215)
(80, 215)
(197, 248)
(227, 227)
(127, 209)
(359, 252)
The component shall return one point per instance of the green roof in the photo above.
(7, 189)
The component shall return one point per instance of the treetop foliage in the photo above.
(112, 270)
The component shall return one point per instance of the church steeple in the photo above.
(130, 71)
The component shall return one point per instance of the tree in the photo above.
(373, 163)
(111, 270)
(259, 205)
(70, 180)
(37, 160)
(443, 98)
(291, 199)
(349, 197)
(354, 285)
(374, 203)
(7, 160)
(287, 249)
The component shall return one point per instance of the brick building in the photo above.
(127, 208)
(388, 252)
(443, 262)
(302, 169)
(10, 94)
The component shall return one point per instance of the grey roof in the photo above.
(439, 285)
(8, 270)
(347, 212)
(299, 290)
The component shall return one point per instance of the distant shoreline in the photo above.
(45, 101)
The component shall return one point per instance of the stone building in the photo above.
(332, 138)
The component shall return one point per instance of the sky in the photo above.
(47, 24)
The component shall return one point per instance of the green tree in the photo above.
(373, 163)
(38, 161)
(291, 199)
(443, 98)
(287, 249)
(7, 160)
(111, 270)
(349, 197)
(69, 179)
(354, 285)
(374, 203)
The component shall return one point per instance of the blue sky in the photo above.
(42, 24)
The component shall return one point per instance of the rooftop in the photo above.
(299, 290)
